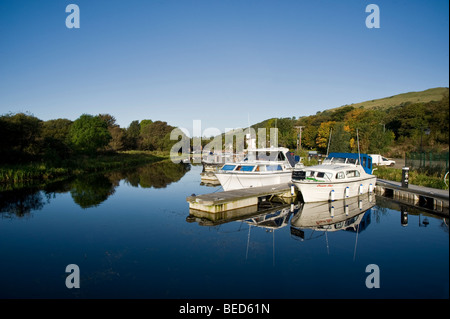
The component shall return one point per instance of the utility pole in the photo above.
(299, 137)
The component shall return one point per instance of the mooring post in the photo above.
(405, 177)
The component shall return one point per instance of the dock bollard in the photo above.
(405, 177)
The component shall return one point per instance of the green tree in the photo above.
(89, 133)
(56, 129)
(117, 142)
(340, 139)
(132, 135)
(20, 137)
(55, 140)
(155, 136)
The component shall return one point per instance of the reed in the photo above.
(23, 173)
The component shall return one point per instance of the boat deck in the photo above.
(234, 199)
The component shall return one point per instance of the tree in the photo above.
(89, 133)
(117, 141)
(154, 135)
(56, 129)
(55, 140)
(20, 137)
(132, 135)
(323, 133)
(340, 138)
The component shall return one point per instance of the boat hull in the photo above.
(319, 191)
(232, 181)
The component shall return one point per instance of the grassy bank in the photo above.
(418, 178)
(81, 164)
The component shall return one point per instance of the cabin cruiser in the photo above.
(340, 176)
(261, 167)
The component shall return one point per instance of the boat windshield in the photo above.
(340, 160)
(325, 176)
(318, 176)
(261, 155)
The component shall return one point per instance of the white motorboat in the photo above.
(340, 176)
(261, 167)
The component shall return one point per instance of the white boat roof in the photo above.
(332, 168)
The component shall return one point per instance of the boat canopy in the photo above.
(366, 160)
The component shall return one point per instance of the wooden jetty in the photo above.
(433, 199)
(246, 197)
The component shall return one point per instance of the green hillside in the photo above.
(434, 94)
(406, 122)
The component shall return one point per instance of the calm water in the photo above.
(132, 236)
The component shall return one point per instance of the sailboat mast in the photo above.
(329, 140)
(357, 138)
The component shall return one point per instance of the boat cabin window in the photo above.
(260, 168)
(310, 173)
(352, 174)
(228, 167)
(340, 175)
(274, 168)
(245, 168)
(351, 160)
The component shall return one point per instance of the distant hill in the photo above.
(392, 125)
(434, 94)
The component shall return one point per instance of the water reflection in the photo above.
(20, 203)
(273, 217)
(90, 190)
(348, 214)
(158, 175)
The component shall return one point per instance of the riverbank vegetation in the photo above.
(416, 177)
(42, 172)
(33, 149)
(36, 150)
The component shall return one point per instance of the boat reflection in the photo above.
(352, 214)
(266, 215)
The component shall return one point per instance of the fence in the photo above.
(437, 162)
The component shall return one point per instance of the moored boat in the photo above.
(340, 176)
(261, 167)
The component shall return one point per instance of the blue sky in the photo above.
(223, 62)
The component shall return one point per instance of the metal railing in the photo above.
(431, 161)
